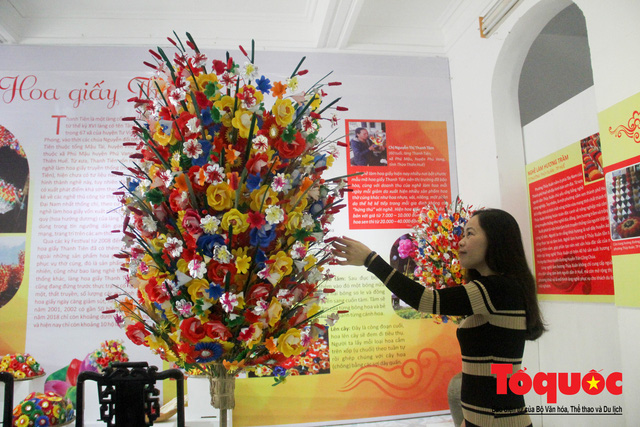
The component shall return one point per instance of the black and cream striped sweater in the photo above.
(492, 332)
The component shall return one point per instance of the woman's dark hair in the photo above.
(505, 255)
(358, 130)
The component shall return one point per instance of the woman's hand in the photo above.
(351, 252)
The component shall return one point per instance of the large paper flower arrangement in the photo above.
(436, 240)
(225, 214)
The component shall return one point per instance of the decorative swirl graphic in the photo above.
(632, 130)
(413, 379)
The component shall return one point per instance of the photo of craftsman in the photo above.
(368, 144)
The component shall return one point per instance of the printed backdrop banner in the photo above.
(61, 136)
(620, 130)
(407, 167)
(571, 242)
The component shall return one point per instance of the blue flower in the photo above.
(42, 420)
(316, 208)
(253, 181)
(204, 157)
(133, 185)
(262, 237)
(215, 291)
(279, 371)
(208, 351)
(208, 242)
(207, 120)
(263, 84)
(166, 126)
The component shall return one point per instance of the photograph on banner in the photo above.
(570, 224)
(14, 184)
(404, 166)
(13, 293)
(623, 192)
(14, 208)
(620, 130)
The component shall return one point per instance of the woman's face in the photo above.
(473, 248)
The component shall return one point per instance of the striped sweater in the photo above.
(492, 332)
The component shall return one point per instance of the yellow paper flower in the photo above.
(163, 138)
(294, 221)
(243, 263)
(154, 342)
(204, 79)
(308, 160)
(258, 199)
(281, 263)
(225, 105)
(197, 289)
(317, 100)
(183, 265)
(290, 343)
(220, 196)
(310, 262)
(313, 310)
(283, 111)
(242, 122)
(22, 420)
(256, 337)
(274, 312)
(235, 218)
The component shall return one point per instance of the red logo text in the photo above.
(550, 383)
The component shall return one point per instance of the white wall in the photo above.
(491, 162)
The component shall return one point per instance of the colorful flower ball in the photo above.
(43, 409)
(22, 366)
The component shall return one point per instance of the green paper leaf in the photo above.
(289, 134)
(155, 196)
(210, 90)
(215, 115)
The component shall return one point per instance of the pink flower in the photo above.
(191, 223)
(228, 80)
(173, 246)
(256, 219)
(405, 248)
(214, 174)
(192, 149)
(229, 301)
(192, 329)
(279, 182)
(308, 124)
(246, 334)
(217, 330)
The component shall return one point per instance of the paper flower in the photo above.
(436, 240)
(226, 190)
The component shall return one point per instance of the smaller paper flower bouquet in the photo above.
(436, 240)
(225, 214)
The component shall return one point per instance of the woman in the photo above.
(499, 300)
